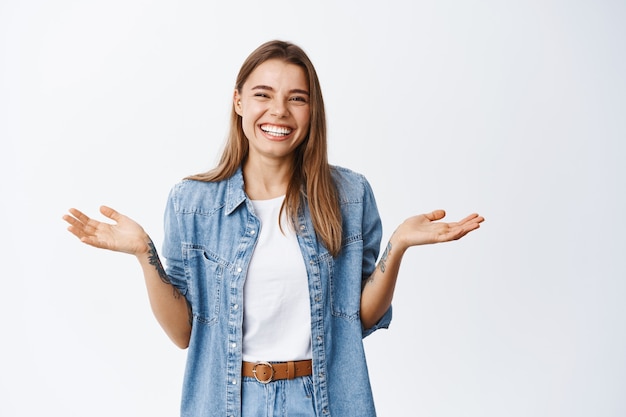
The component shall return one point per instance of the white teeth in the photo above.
(276, 130)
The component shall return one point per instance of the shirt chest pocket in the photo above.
(205, 275)
(345, 281)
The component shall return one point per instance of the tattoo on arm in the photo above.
(156, 262)
(382, 264)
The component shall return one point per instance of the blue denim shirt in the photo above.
(210, 234)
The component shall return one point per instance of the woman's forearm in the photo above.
(168, 305)
(378, 289)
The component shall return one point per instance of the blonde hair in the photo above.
(311, 173)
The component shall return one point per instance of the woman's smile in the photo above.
(275, 131)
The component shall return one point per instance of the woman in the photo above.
(271, 277)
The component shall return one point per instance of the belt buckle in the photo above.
(269, 365)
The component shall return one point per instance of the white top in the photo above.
(277, 313)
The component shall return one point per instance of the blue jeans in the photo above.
(281, 398)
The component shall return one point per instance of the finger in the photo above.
(75, 226)
(470, 227)
(69, 219)
(76, 231)
(463, 229)
(472, 217)
(110, 213)
(72, 221)
(95, 242)
(82, 217)
(435, 215)
(457, 234)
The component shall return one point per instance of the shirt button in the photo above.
(252, 232)
(302, 227)
(235, 307)
(234, 382)
(234, 345)
(239, 270)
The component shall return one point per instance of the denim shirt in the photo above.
(210, 234)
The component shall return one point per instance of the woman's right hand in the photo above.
(125, 235)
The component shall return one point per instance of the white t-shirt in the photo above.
(277, 313)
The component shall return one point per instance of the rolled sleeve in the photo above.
(372, 231)
(372, 235)
(172, 249)
(383, 323)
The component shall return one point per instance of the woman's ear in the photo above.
(237, 103)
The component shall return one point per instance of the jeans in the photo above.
(281, 398)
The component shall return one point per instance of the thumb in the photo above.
(435, 215)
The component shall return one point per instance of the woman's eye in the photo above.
(260, 95)
(299, 99)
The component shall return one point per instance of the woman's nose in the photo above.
(279, 108)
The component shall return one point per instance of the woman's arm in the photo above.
(169, 307)
(418, 230)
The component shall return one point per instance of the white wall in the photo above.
(513, 109)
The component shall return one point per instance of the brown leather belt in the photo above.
(265, 372)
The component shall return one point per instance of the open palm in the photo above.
(125, 235)
(425, 228)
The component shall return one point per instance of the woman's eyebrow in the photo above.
(268, 88)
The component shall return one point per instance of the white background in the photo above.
(514, 109)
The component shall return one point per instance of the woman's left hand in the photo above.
(424, 229)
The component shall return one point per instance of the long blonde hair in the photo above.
(311, 172)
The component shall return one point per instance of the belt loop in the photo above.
(291, 370)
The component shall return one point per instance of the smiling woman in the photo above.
(274, 105)
(271, 278)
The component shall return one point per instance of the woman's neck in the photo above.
(265, 181)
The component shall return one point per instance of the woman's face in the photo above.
(274, 106)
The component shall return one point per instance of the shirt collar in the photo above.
(235, 194)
